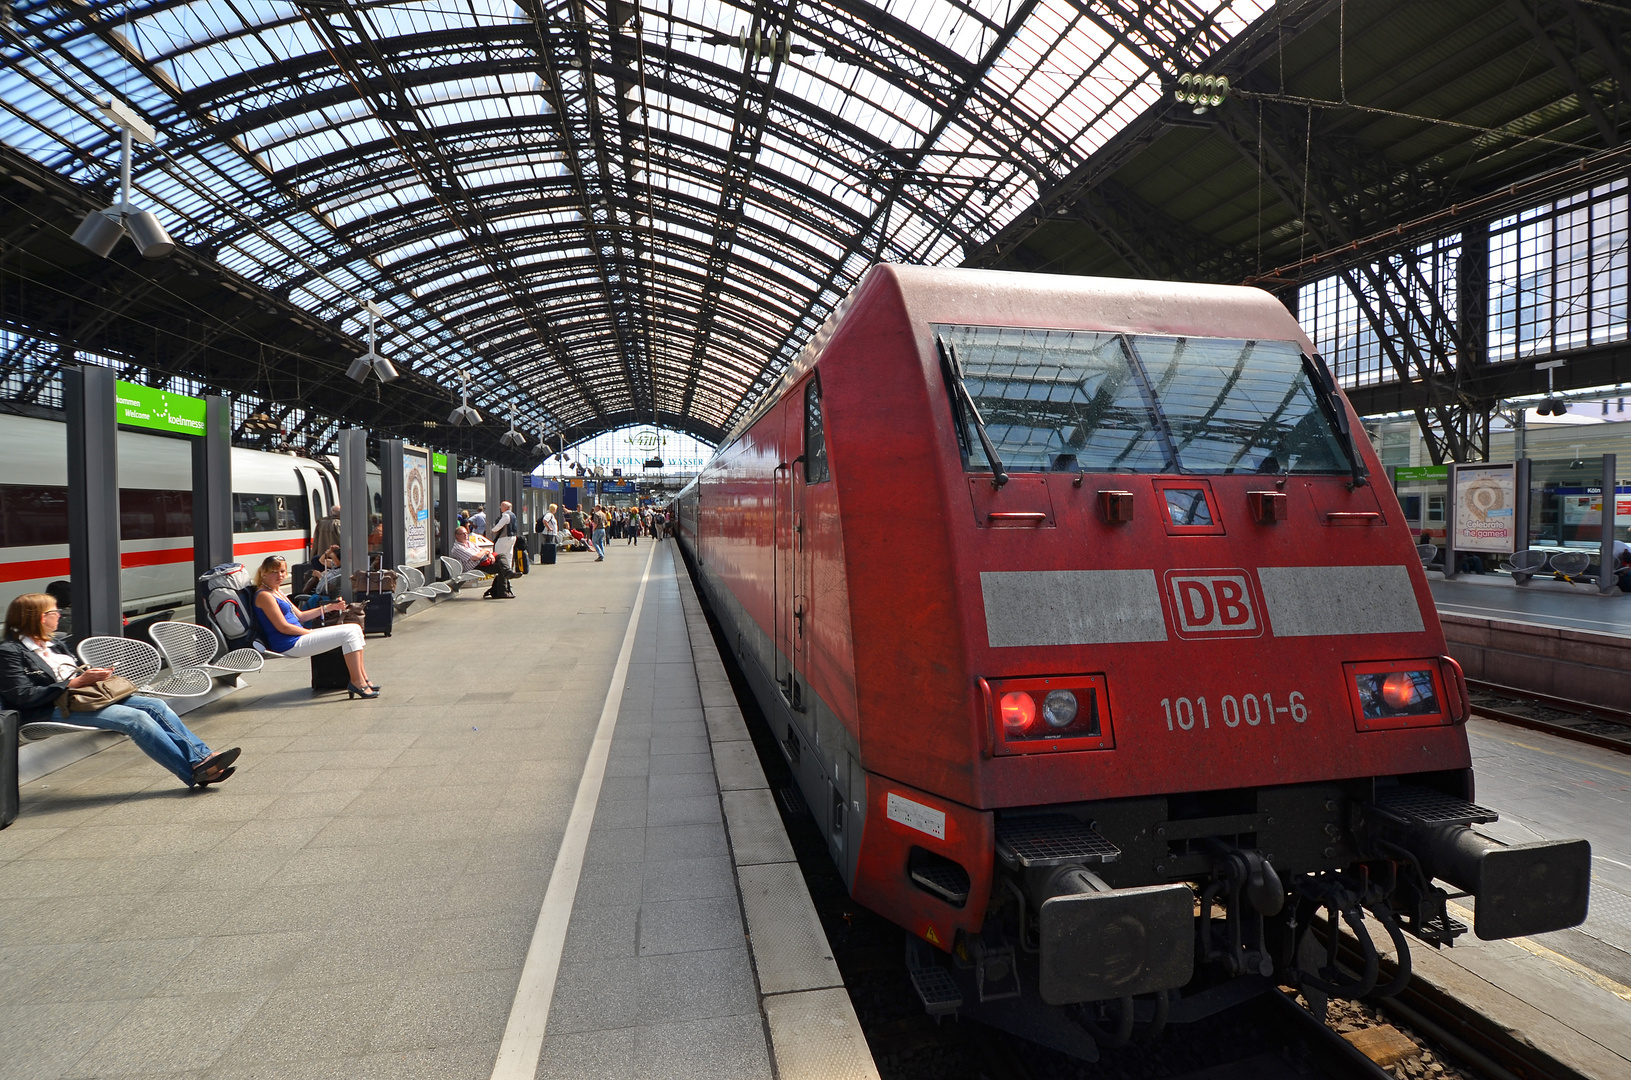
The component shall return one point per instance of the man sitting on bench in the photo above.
(473, 558)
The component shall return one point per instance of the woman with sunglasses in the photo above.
(35, 672)
(287, 635)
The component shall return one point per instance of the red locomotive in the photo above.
(1096, 653)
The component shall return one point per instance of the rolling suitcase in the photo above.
(9, 797)
(379, 608)
(328, 671)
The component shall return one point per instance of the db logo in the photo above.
(1212, 603)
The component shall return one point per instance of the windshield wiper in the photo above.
(954, 375)
(1331, 398)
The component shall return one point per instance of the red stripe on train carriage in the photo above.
(58, 568)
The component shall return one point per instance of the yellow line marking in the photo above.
(1552, 753)
(1571, 966)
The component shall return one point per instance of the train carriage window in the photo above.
(31, 515)
(1084, 401)
(815, 435)
(269, 513)
(154, 515)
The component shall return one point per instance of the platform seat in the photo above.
(188, 645)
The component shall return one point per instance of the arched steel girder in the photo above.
(441, 264)
(747, 287)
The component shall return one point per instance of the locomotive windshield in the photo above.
(1084, 401)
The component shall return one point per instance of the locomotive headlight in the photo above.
(1059, 708)
(1018, 711)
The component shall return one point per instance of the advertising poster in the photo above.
(1483, 512)
(416, 516)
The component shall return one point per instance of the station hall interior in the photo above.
(862, 538)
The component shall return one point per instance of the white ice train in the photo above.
(276, 500)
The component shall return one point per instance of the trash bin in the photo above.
(546, 552)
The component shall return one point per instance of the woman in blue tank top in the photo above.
(287, 635)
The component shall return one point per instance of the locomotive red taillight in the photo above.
(1397, 694)
(1399, 690)
(1054, 713)
(1018, 711)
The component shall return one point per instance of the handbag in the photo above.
(369, 581)
(97, 696)
(353, 613)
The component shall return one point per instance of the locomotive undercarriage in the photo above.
(1125, 915)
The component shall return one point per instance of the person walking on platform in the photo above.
(598, 537)
(287, 635)
(327, 533)
(35, 673)
(478, 522)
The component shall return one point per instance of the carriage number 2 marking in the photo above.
(1251, 708)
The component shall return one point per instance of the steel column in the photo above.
(1605, 554)
(495, 481)
(393, 542)
(212, 488)
(447, 509)
(353, 502)
(88, 396)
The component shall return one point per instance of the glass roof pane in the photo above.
(463, 163)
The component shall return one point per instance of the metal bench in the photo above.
(187, 645)
(457, 576)
(135, 660)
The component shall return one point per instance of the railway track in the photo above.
(1592, 724)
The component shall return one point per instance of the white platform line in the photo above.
(529, 1014)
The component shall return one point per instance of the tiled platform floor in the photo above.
(359, 899)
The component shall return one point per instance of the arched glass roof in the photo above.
(606, 212)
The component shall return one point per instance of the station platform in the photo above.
(1548, 603)
(541, 852)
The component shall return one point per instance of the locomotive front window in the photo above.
(1083, 401)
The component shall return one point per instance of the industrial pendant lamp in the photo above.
(101, 229)
(543, 442)
(464, 415)
(512, 437)
(371, 360)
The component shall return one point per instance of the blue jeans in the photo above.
(153, 727)
(598, 539)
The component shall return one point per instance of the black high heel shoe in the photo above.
(352, 690)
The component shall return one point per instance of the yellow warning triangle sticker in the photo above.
(931, 937)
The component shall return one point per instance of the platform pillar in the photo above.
(353, 502)
(447, 509)
(89, 396)
(1451, 563)
(1605, 554)
(212, 488)
(1520, 504)
(495, 480)
(393, 544)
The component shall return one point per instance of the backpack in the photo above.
(225, 588)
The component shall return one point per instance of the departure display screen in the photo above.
(1083, 401)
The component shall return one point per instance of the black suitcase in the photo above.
(9, 797)
(377, 617)
(328, 671)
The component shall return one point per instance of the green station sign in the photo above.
(150, 407)
(1421, 472)
(438, 462)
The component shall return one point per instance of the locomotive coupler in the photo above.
(1250, 890)
(1098, 942)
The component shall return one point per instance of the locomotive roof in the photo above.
(938, 294)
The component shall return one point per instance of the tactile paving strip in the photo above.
(1424, 806)
(1051, 840)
